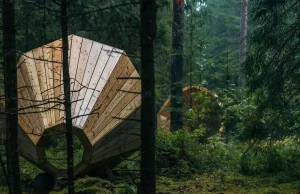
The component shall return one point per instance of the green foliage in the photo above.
(91, 185)
(272, 157)
(221, 32)
(200, 111)
(240, 116)
(56, 151)
(272, 66)
(180, 153)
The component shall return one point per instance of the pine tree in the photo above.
(243, 37)
(11, 95)
(148, 113)
(67, 95)
(177, 65)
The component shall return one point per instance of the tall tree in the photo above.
(272, 65)
(67, 94)
(177, 65)
(243, 36)
(220, 58)
(11, 94)
(148, 113)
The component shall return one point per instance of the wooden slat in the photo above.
(22, 124)
(74, 58)
(90, 68)
(123, 69)
(110, 103)
(103, 129)
(119, 103)
(29, 74)
(41, 74)
(61, 96)
(57, 70)
(70, 39)
(26, 91)
(104, 67)
(81, 68)
(119, 136)
(133, 145)
(24, 120)
(48, 57)
(28, 148)
(125, 128)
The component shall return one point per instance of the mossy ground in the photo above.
(226, 183)
(216, 183)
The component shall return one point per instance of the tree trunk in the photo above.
(67, 93)
(148, 113)
(176, 65)
(11, 95)
(243, 38)
(4, 171)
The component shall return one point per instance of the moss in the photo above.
(90, 185)
(91, 181)
(93, 190)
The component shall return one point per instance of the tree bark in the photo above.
(4, 172)
(67, 94)
(148, 113)
(11, 95)
(243, 38)
(177, 65)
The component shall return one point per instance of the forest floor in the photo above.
(227, 183)
(215, 183)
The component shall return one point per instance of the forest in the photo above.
(150, 96)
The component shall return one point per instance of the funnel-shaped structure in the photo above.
(105, 94)
(212, 120)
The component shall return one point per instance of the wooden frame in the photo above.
(105, 95)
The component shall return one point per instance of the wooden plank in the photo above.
(23, 104)
(48, 57)
(61, 97)
(120, 101)
(123, 69)
(81, 67)
(91, 64)
(24, 121)
(133, 145)
(104, 128)
(30, 75)
(117, 136)
(57, 70)
(131, 121)
(104, 67)
(28, 149)
(120, 135)
(74, 58)
(26, 91)
(125, 128)
(80, 168)
(26, 130)
(109, 104)
(41, 75)
(70, 39)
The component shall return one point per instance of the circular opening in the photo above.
(56, 150)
